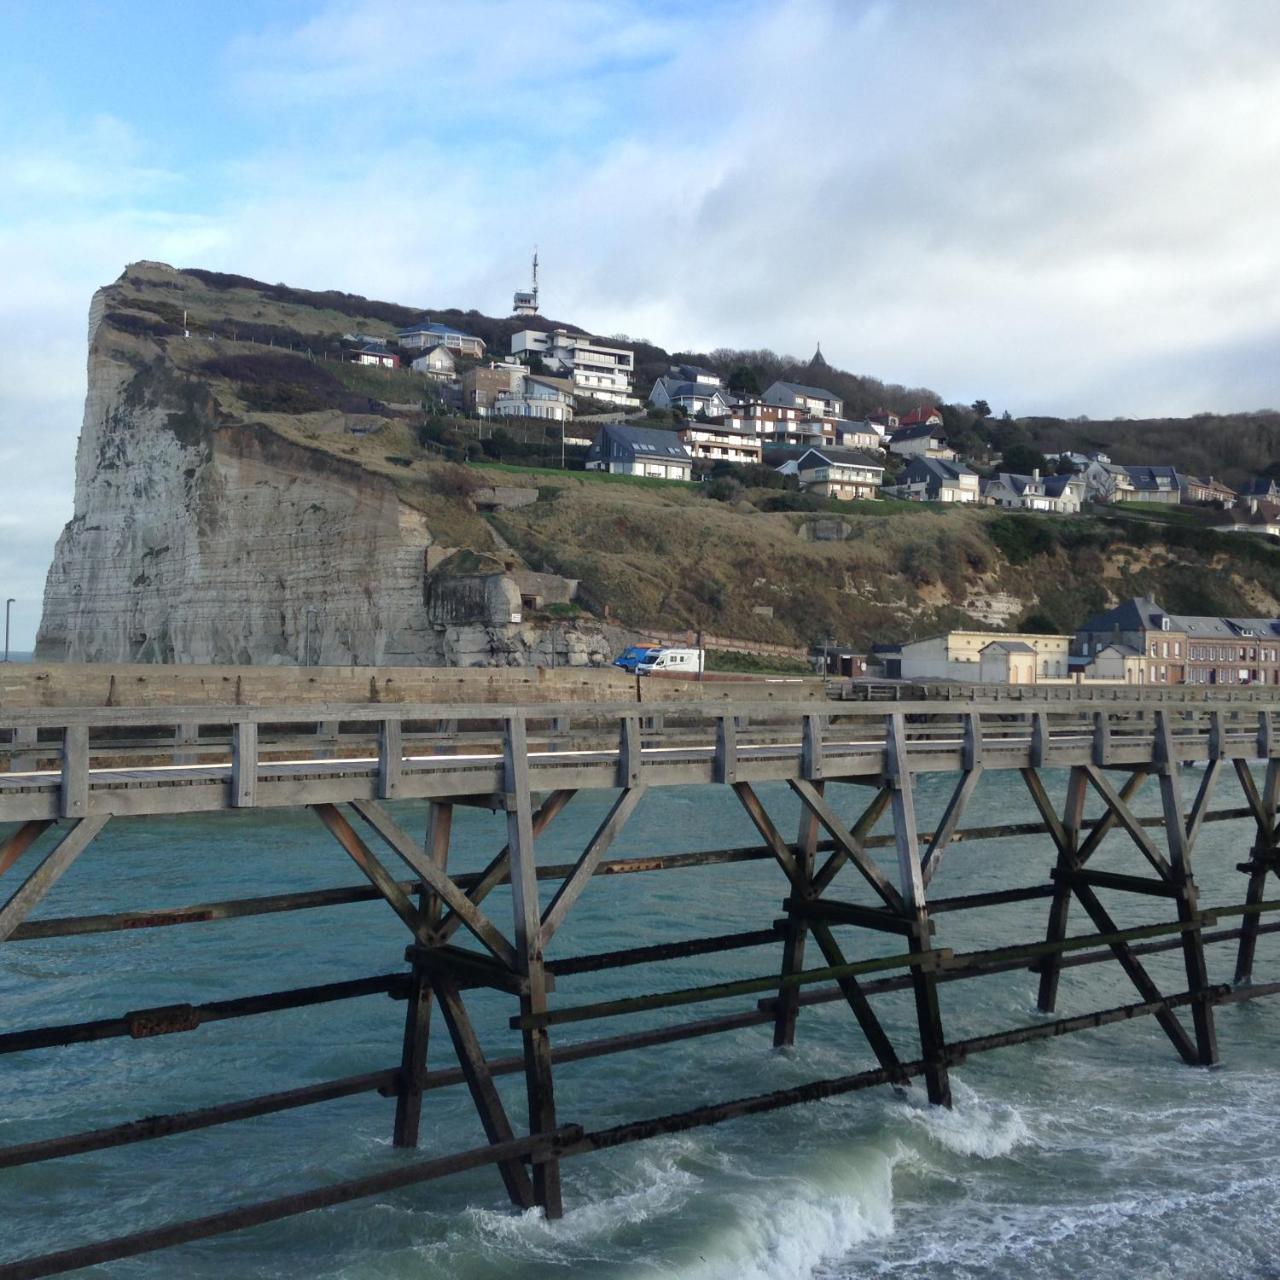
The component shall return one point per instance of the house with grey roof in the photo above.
(1155, 484)
(925, 439)
(815, 402)
(640, 451)
(830, 471)
(429, 333)
(1061, 495)
(1186, 648)
(692, 396)
(936, 480)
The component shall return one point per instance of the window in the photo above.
(1165, 650)
(1177, 648)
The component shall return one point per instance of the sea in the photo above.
(1092, 1155)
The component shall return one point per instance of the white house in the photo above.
(1060, 494)
(426, 334)
(937, 480)
(534, 395)
(439, 362)
(692, 396)
(858, 435)
(597, 369)
(925, 439)
(639, 451)
(830, 472)
(813, 402)
(377, 354)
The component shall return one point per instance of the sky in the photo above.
(1060, 208)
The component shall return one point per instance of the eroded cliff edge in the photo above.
(201, 534)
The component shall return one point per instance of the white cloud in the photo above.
(1060, 208)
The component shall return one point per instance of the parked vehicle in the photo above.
(684, 661)
(631, 658)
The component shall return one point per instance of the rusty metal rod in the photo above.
(234, 908)
(156, 1021)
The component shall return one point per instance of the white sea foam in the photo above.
(800, 1225)
(973, 1126)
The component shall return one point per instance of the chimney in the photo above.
(1035, 473)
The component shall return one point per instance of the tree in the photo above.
(743, 381)
(1022, 459)
(981, 408)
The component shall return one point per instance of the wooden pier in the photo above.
(72, 771)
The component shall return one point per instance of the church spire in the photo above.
(818, 362)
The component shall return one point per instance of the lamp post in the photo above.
(8, 607)
(306, 637)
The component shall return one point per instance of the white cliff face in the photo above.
(200, 540)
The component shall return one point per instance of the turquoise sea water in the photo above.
(1092, 1155)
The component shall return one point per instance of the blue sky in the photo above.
(1060, 208)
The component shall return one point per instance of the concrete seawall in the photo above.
(150, 685)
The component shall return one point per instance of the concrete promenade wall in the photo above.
(149, 685)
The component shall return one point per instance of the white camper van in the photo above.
(685, 661)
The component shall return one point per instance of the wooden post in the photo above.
(911, 878)
(390, 759)
(1072, 818)
(244, 765)
(528, 937)
(784, 1025)
(1264, 858)
(417, 1018)
(1188, 896)
(75, 771)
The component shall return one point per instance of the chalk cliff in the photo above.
(203, 534)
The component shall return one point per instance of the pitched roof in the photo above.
(1140, 613)
(841, 457)
(1008, 646)
(431, 326)
(643, 441)
(812, 393)
(939, 468)
(1151, 478)
(919, 432)
(678, 389)
(920, 414)
(1055, 486)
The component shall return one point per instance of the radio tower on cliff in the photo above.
(526, 304)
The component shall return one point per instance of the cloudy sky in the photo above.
(1066, 208)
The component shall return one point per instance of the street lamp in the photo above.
(8, 606)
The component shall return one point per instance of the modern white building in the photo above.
(596, 369)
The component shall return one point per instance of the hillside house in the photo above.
(596, 369)
(640, 451)
(830, 472)
(1154, 484)
(696, 373)
(692, 397)
(1062, 495)
(936, 480)
(1263, 488)
(921, 416)
(427, 333)
(1106, 481)
(812, 402)
(720, 442)
(922, 440)
(887, 422)
(482, 385)
(1256, 516)
(857, 435)
(769, 421)
(1209, 491)
(534, 395)
(439, 362)
(376, 353)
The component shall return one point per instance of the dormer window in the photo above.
(1164, 624)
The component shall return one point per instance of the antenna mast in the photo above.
(535, 276)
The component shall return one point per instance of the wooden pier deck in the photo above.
(74, 770)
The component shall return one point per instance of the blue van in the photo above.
(631, 658)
